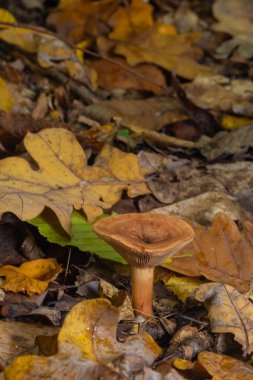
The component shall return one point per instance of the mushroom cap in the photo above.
(144, 240)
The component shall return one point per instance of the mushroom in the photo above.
(145, 241)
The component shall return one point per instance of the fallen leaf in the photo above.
(64, 181)
(18, 338)
(183, 287)
(130, 20)
(31, 277)
(113, 76)
(203, 208)
(229, 122)
(7, 101)
(223, 367)
(88, 348)
(82, 235)
(77, 19)
(235, 18)
(233, 143)
(217, 92)
(229, 312)
(166, 50)
(222, 253)
(50, 52)
(140, 113)
(6, 17)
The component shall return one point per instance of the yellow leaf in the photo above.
(6, 100)
(6, 17)
(86, 342)
(233, 122)
(31, 277)
(168, 51)
(129, 21)
(64, 180)
(183, 287)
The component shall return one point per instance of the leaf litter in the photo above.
(110, 107)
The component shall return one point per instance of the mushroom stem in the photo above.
(142, 291)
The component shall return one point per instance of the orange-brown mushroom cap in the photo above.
(144, 240)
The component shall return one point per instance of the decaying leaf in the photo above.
(222, 253)
(235, 142)
(31, 277)
(217, 92)
(113, 76)
(229, 312)
(50, 52)
(18, 338)
(235, 18)
(64, 181)
(87, 348)
(203, 208)
(140, 113)
(166, 50)
(223, 367)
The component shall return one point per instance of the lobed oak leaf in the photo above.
(88, 348)
(64, 180)
(31, 277)
(229, 312)
(222, 253)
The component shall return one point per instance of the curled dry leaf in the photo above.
(87, 348)
(229, 312)
(64, 180)
(222, 253)
(31, 277)
(224, 367)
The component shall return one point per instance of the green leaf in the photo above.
(82, 235)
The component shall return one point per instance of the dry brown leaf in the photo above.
(31, 277)
(235, 142)
(88, 348)
(220, 93)
(64, 181)
(229, 312)
(222, 253)
(114, 76)
(151, 114)
(51, 52)
(223, 367)
(167, 50)
(235, 18)
(78, 19)
(19, 338)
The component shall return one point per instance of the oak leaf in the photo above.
(222, 253)
(64, 180)
(229, 312)
(88, 348)
(31, 277)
